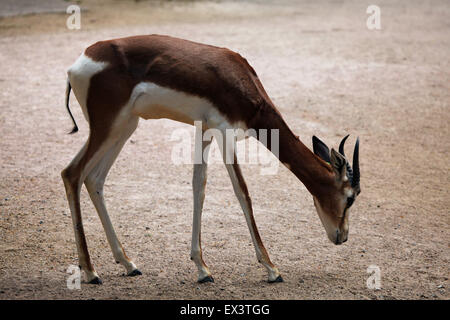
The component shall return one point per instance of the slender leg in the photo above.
(73, 177)
(198, 186)
(241, 191)
(94, 184)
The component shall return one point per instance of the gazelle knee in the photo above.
(70, 179)
(66, 175)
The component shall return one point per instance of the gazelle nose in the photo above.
(337, 241)
(340, 238)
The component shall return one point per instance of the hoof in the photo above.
(206, 279)
(134, 273)
(278, 279)
(96, 280)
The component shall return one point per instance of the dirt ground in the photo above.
(328, 74)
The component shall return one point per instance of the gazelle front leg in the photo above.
(241, 191)
(198, 186)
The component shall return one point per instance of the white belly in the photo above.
(151, 101)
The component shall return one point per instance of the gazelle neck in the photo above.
(313, 172)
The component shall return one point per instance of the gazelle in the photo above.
(116, 82)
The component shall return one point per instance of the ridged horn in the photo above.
(356, 174)
(341, 151)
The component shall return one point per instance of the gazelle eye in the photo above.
(350, 201)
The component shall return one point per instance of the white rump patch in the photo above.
(80, 74)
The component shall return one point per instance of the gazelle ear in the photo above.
(321, 149)
(338, 163)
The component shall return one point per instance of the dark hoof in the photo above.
(134, 273)
(278, 279)
(96, 280)
(206, 279)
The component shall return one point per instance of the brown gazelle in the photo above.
(119, 81)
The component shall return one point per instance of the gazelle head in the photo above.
(334, 202)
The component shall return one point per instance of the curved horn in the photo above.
(341, 145)
(341, 151)
(356, 174)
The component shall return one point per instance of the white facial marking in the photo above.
(348, 192)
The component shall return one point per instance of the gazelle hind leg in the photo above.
(94, 184)
(73, 176)
(198, 186)
(241, 191)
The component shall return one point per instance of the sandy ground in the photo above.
(10, 8)
(327, 73)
